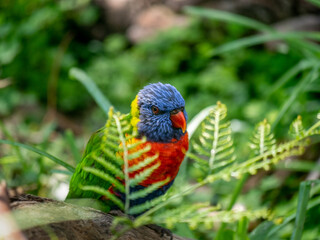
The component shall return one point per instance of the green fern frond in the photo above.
(262, 139)
(270, 155)
(143, 207)
(141, 176)
(138, 153)
(135, 144)
(143, 163)
(215, 146)
(105, 176)
(104, 192)
(109, 166)
(296, 127)
(209, 217)
(146, 191)
(111, 156)
(204, 214)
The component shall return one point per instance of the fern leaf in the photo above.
(204, 214)
(112, 146)
(126, 164)
(143, 207)
(262, 139)
(106, 177)
(143, 163)
(112, 157)
(132, 146)
(215, 142)
(140, 177)
(135, 152)
(268, 153)
(145, 191)
(104, 192)
(200, 149)
(113, 138)
(296, 128)
(109, 166)
(138, 153)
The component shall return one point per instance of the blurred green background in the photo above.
(41, 40)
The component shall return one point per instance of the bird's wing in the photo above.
(81, 177)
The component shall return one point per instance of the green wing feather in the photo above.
(81, 177)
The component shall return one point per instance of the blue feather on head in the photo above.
(157, 103)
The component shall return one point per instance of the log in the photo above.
(43, 218)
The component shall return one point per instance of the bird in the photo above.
(158, 114)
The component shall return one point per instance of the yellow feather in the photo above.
(135, 114)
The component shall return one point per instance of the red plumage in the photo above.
(170, 158)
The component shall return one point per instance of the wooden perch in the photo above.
(43, 218)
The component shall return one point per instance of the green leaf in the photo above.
(296, 127)
(138, 178)
(261, 232)
(216, 144)
(315, 2)
(144, 192)
(262, 38)
(263, 139)
(225, 234)
(145, 162)
(275, 229)
(104, 192)
(242, 229)
(106, 177)
(304, 193)
(227, 17)
(38, 151)
(109, 167)
(72, 143)
(143, 207)
(304, 82)
(89, 84)
(299, 67)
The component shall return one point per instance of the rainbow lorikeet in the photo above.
(157, 113)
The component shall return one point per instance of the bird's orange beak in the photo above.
(179, 121)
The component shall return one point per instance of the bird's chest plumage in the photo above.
(170, 157)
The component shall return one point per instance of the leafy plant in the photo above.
(215, 142)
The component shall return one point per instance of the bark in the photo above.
(42, 218)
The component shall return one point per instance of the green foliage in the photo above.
(53, 158)
(36, 53)
(101, 100)
(262, 140)
(304, 194)
(215, 141)
(266, 153)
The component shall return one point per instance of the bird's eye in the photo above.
(175, 111)
(155, 110)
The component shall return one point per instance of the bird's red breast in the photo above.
(170, 158)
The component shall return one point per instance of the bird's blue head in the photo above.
(158, 112)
